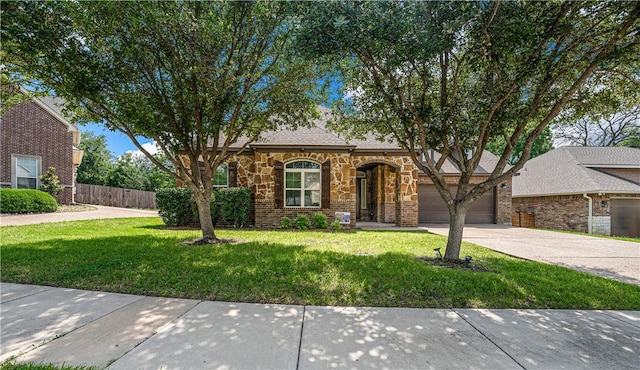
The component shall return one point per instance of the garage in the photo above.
(433, 210)
(625, 217)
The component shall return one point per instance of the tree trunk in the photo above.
(204, 213)
(456, 226)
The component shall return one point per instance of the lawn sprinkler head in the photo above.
(437, 250)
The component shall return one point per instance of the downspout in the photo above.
(590, 219)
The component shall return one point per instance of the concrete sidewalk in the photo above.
(75, 327)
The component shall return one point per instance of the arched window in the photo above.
(302, 184)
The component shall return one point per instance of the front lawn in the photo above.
(359, 268)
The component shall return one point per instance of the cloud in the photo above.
(150, 147)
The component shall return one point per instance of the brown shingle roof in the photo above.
(574, 170)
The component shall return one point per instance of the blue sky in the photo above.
(117, 143)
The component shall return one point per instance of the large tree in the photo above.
(452, 76)
(189, 75)
(96, 160)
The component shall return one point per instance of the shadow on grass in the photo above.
(294, 274)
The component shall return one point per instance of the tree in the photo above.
(616, 121)
(126, 173)
(541, 145)
(452, 76)
(96, 160)
(50, 183)
(614, 129)
(189, 75)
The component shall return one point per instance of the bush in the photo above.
(234, 205)
(336, 225)
(26, 201)
(50, 183)
(285, 223)
(176, 207)
(319, 221)
(302, 222)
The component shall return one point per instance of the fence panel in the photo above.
(114, 197)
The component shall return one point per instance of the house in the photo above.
(587, 189)
(312, 169)
(34, 136)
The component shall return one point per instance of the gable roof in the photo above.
(575, 170)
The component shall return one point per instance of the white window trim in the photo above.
(14, 163)
(302, 189)
(214, 177)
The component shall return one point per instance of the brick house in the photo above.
(586, 189)
(311, 170)
(34, 136)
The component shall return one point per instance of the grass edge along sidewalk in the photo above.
(350, 268)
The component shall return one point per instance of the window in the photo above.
(26, 170)
(221, 176)
(302, 184)
(363, 193)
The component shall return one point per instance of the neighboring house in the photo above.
(311, 170)
(36, 135)
(588, 189)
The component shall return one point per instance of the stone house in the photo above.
(311, 170)
(34, 136)
(586, 189)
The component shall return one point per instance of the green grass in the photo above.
(359, 268)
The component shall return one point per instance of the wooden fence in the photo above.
(114, 197)
(521, 219)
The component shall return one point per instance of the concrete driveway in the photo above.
(614, 259)
(99, 212)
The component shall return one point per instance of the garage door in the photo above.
(432, 209)
(625, 217)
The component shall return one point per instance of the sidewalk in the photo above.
(76, 327)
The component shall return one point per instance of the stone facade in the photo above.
(29, 130)
(394, 197)
(569, 212)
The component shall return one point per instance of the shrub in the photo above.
(302, 222)
(234, 205)
(176, 207)
(49, 182)
(26, 201)
(336, 225)
(319, 221)
(285, 223)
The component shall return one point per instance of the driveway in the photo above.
(99, 212)
(614, 259)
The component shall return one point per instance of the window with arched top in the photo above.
(302, 184)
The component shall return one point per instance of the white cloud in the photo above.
(150, 147)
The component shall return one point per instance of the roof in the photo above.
(487, 163)
(576, 170)
(316, 135)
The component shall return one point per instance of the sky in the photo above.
(117, 143)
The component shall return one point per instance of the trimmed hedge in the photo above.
(235, 204)
(176, 207)
(302, 222)
(319, 221)
(26, 201)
